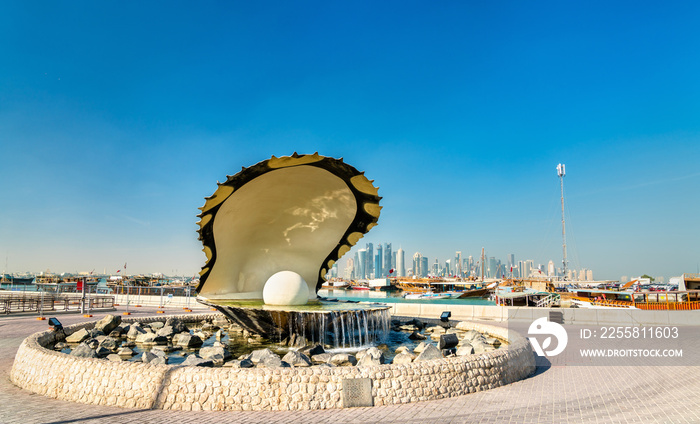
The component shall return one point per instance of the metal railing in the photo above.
(47, 302)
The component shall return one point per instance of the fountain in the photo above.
(271, 233)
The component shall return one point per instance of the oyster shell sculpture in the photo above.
(297, 213)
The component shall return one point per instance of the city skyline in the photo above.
(112, 138)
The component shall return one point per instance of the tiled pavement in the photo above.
(555, 394)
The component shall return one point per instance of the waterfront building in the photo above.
(424, 266)
(378, 262)
(417, 262)
(458, 264)
(349, 269)
(369, 261)
(400, 265)
(386, 265)
(551, 272)
(361, 264)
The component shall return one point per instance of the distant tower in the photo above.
(400, 264)
(561, 171)
(369, 261)
(378, 262)
(387, 259)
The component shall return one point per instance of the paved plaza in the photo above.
(555, 394)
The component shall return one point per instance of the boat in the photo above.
(426, 295)
(359, 287)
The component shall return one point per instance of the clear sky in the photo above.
(118, 118)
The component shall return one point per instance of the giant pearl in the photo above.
(285, 288)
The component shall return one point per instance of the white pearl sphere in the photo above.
(285, 288)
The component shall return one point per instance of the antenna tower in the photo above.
(561, 171)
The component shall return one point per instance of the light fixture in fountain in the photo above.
(273, 231)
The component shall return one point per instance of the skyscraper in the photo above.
(369, 260)
(458, 264)
(400, 264)
(424, 266)
(378, 262)
(417, 263)
(361, 271)
(387, 259)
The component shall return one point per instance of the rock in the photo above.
(435, 329)
(271, 362)
(114, 357)
(147, 357)
(407, 327)
(417, 336)
(102, 352)
(395, 322)
(160, 360)
(480, 347)
(375, 353)
(125, 352)
(207, 327)
(322, 358)
(117, 332)
(297, 359)
(245, 363)
(78, 336)
(209, 351)
(219, 335)
(448, 341)
(430, 352)
(383, 347)
(464, 350)
(108, 323)
(220, 321)
(471, 335)
(108, 342)
(188, 340)
(177, 324)
(403, 358)
(156, 325)
(401, 349)
(159, 353)
(129, 343)
(217, 359)
(151, 338)
(343, 359)
(134, 331)
(60, 346)
(197, 361)
(83, 351)
(260, 354)
(297, 340)
(493, 341)
(166, 331)
(312, 350)
(92, 343)
(420, 347)
(369, 360)
(418, 323)
(204, 335)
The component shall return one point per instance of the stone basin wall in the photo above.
(138, 385)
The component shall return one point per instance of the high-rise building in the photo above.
(511, 261)
(369, 261)
(436, 268)
(458, 264)
(349, 269)
(492, 267)
(386, 266)
(378, 262)
(424, 266)
(448, 269)
(551, 272)
(361, 271)
(417, 262)
(400, 264)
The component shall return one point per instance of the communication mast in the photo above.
(561, 171)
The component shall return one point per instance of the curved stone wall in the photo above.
(139, 385)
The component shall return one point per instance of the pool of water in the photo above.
(395, 297)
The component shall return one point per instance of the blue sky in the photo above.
(118, 118)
